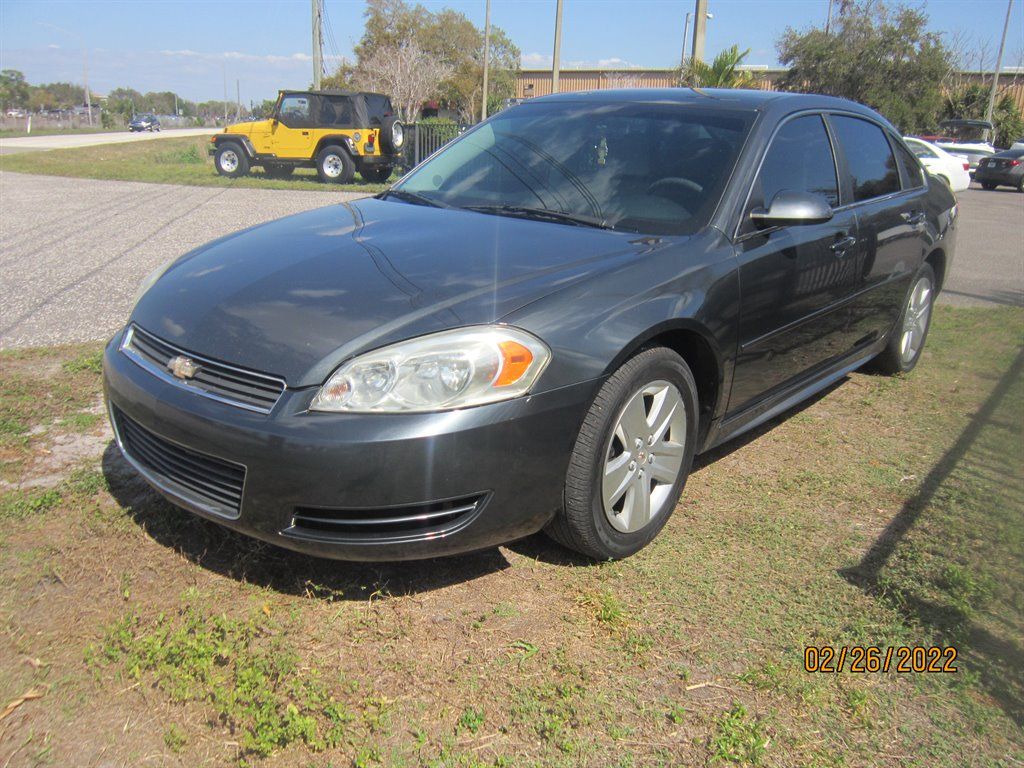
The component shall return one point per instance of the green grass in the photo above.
(886, 513)
(162, 161)
(15, 133)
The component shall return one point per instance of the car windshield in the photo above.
(652, 168)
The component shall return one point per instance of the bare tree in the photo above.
(406, 73)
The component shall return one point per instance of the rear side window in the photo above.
(912, 175)
(869, 157)
(921, 150)
(799, 159)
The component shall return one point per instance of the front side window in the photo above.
(294, 111)
(921, 150)
(653, 168)
(869, 157)
(799, 159)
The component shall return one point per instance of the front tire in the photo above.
(631, 459)
(988, 185)
(333, 165)
(906, 342)
(231, 160)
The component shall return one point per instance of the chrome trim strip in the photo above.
(175, 492)
(129, 352)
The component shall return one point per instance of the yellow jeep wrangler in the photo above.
(336, 132)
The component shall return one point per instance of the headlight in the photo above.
(442, 371)
(153, 276)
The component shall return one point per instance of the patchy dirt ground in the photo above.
(884, 513)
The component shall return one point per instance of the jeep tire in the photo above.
(392, 135)
(334, 165)
(231, 160)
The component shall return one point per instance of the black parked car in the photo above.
(1003, 168)
(537, 328)
(144, 123)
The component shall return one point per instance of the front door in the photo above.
(795, 281)
(293, 135)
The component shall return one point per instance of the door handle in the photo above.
(305, 133)
(914, 218)
(843, 244)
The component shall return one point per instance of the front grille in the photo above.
(236, 386)
(425, 520)
(211, 483)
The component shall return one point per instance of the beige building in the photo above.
(537, 82)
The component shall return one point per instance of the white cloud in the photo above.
(272, 59)
(542, 61)
(535, 60)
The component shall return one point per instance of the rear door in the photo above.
(890, 205)
(794, 280)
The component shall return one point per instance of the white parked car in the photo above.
(950, 168)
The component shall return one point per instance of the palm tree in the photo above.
(723, 72)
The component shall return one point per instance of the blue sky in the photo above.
(190, 46)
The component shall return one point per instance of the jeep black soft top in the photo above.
(346, 109)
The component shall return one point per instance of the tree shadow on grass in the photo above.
(242, 558)
(996, 656)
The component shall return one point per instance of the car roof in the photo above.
(332, 92)
(780, 102)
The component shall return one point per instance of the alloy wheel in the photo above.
(915, 319)
(229, 161)
(644, 457)
(333, 166)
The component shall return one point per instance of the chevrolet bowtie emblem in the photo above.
(183, 367)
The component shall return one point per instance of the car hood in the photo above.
(297, 296)
(248, 127)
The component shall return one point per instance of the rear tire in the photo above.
(376, 174)
(231, 160)
(622, 487)
(333, 165)
(906, 342)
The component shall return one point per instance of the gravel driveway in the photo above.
(73, 251)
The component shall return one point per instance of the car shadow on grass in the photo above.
(242, 558)
(956, 611)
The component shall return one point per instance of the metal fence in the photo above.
(423, 139)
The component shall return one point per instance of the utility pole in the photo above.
(238, 99)
(318, 44)
(999, 66)
(224, 72)
(85, 67)
(686, 36)
(700, 26)
(828, 19)
(555, 58)
(487, 56)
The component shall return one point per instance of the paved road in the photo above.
(26, 143)
(73, 251)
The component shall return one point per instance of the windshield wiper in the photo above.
(412, 197)
(543, 214)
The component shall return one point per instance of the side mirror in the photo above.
(792, 207)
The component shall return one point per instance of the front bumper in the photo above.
(511, 457)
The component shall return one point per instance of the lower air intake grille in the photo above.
(411, 521)
(210, 483)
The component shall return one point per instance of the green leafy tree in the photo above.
(125, 102)
(723, 72)
(880, 56)
(971, 103)
(14, 89)
(65, 95)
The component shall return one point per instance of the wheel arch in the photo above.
(697, 346)
(340, 140)
(235, 138)
(937, 260)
